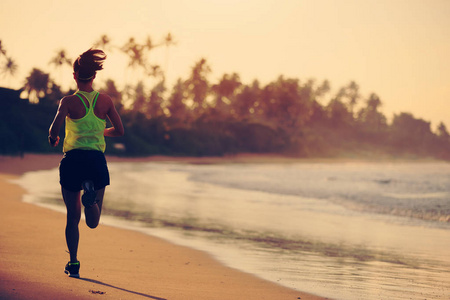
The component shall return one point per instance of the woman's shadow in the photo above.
(122, 289)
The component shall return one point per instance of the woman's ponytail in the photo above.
(88, 63)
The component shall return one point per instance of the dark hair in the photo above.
(88, 63)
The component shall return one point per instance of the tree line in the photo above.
(200, 117)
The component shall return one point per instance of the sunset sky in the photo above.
(399, 49)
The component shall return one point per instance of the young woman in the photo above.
(83, 166)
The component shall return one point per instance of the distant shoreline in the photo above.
(17, 165)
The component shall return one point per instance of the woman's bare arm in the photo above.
(58, 121)
(117, 126)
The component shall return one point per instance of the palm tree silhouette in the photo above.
(374, 102)
(59, 60)
(225, 90)
(353, 95)
(156, 71)
(135, 53)
(197, 85)
(149, 45)
(104, 43)
(37, 85)
(176, 102)
(442, 131)
(2, 49)
(168, 42)
(151, 70)
(10, 68)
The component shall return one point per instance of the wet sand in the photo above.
(115, 263)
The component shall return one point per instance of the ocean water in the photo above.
(339, 230)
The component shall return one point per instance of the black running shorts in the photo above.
(81, 165)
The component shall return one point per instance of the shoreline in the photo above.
(17, 165)
(115, 263)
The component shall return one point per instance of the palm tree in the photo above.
(370, 118)
(246, 104)
(156, 71)
(155, 101)
(59, 60)
(442, 131)
(149, 45)
(152, 70)
(10, 67)
(135, 53)
(168, 42)
(323, 89)
(140, 98)
(37, 85)
(104, 43)
(2, 50)
(353, 95)
(176, 106)
(110, 88)
(339, 114)
(374, 102)
(197, 85)
(225, 90)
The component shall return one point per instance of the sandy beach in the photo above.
(115, 263)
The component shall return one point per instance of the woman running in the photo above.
(83, 166)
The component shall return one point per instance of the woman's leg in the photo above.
(73, 206)
(93, 213)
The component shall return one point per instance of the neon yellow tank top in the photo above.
(86, 133)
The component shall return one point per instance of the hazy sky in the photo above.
(399, 49)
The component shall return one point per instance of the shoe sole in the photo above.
(88, 199)
(72, 275)
(89, 196)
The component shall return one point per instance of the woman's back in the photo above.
(77, 110)
(85, 121)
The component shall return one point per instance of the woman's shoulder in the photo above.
(104, 100)
(68, 99)
(103, 97)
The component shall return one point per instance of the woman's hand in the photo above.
(53, 142)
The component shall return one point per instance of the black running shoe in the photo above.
(89, 196)
(72, 269)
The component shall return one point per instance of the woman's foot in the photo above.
(72, 269)
(89, 196)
